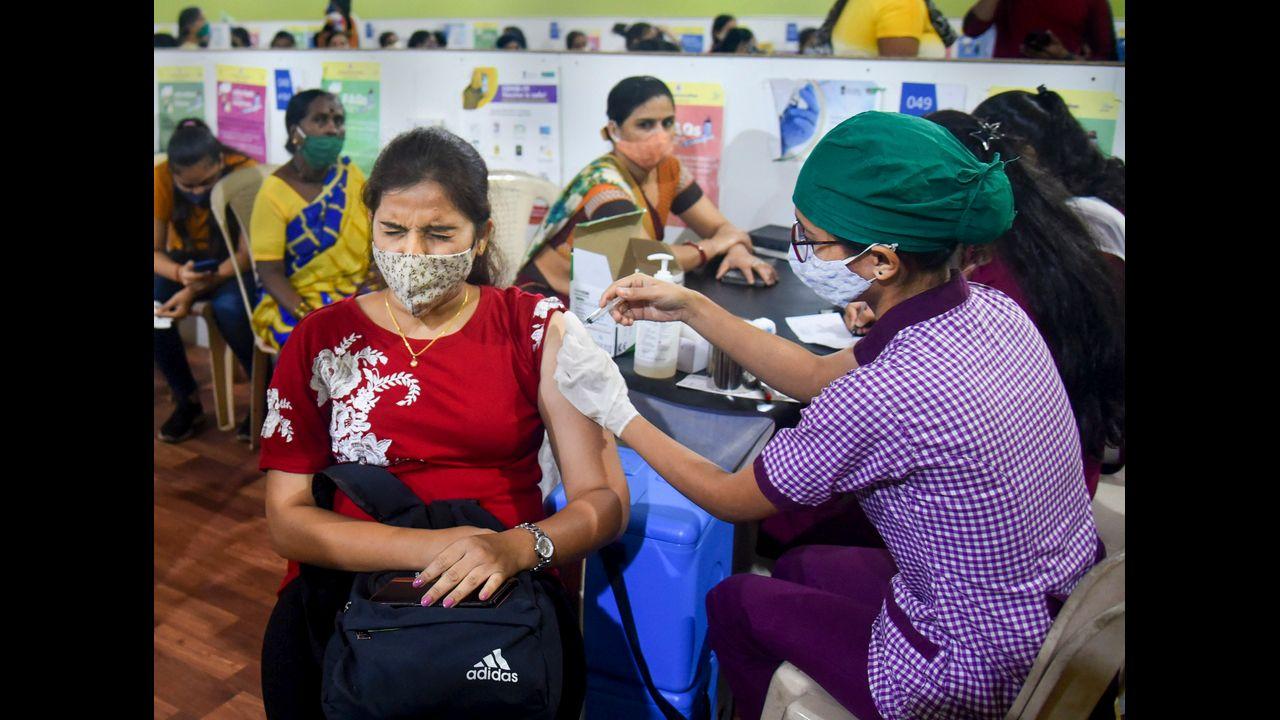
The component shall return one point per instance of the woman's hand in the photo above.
(858, 317)
(482, 561)
(740, 258)
(178, 306)
(727, 237)
(188, 276)
(646, 298)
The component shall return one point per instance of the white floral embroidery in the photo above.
(274, 420)
(351, 380)
(540, 312)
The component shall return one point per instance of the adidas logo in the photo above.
(493, 667)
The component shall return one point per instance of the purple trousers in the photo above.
(815, 612)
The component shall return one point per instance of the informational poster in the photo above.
(357, 86)
(700, 121)
(181, 92)
(486, 35)
(514, 123)
(1096, 110)
(923, 98)
(455, 34)
(807, 109)
(242, 109)
(284, 89)
(690, 38)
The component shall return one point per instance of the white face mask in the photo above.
(418, 281)
(831, 279)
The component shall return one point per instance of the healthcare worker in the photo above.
(947, 422)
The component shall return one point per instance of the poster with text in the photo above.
(920, 99)
(242, 109)
(514, 122)
(357, 86)
(700, 125)
(181, 96)
(807, 109)
(486, 35)
(1096, 110)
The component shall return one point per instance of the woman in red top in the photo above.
(1047, 29)
(444, 380)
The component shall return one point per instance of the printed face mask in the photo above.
(646, 153)
(832, 279)
(418, 281)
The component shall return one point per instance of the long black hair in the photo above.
(437, 155)
(1062, 146)
(1067, 284)
(191, 142)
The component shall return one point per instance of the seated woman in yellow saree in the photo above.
(309, 234)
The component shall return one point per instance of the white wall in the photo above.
(425, 88)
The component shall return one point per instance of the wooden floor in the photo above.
(215, 573)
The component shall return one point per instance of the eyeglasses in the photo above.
(800, 244)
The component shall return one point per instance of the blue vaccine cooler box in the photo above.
(675, 552)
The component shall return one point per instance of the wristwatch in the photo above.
(542, 545)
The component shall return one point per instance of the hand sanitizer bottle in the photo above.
(657, 343)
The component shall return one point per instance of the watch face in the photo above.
(544, 547)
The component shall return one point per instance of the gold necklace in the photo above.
(413, 356)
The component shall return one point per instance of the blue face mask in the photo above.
(831, 279)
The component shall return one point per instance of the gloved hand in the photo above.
(589, 379)
(798, 123)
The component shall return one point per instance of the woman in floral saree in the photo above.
(310, 230)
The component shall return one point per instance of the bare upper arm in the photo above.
(586, 453)
(703, 217)
(898, 46)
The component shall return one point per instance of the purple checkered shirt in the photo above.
(957, 438)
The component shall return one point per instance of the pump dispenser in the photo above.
(658, 343)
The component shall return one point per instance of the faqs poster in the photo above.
(181, 92)
(242, 109)
(515, 123)
(1096, 110)
(357, 87)
(700, 126)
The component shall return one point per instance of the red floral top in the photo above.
(464, 423)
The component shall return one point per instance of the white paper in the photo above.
(160, 323)
(826, 329)
(705, 384)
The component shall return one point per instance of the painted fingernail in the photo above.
(427, 600)
(417, 582)
(448, 602)
(484, 596)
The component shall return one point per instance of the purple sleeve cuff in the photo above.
(773, 494)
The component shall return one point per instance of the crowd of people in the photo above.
(931, 509)
(1051, 30)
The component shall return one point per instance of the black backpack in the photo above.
(432, 662)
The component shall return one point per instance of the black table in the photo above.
(790, 297)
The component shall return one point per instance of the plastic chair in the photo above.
(237, 191)
(159, 158)
(222, 362)
(512, 195)
(1081, 654)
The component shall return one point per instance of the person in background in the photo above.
(283, 41)
(442, 40)
(185, 233)
(421, 39)
(310, 230)
(656, 45)
(636, 33)
(1046, 29)
(809, 41)
(240, 38)
(163, 40)
(576, 41)
(640, 171)
(941, 24)
(1061, 145)
(513, 30)
(881, 28)
(193, 29)
(738, 41)
(719, 28)
(509, 41)
(338, 40)
(388, 39)
(339, 21)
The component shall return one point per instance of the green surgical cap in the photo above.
(883, 177)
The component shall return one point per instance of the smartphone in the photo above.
(207, 265)
(400, 592)
(735, 277)
(1037, 40)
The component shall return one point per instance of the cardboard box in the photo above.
(604, 251)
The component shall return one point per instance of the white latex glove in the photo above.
(590, 380)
